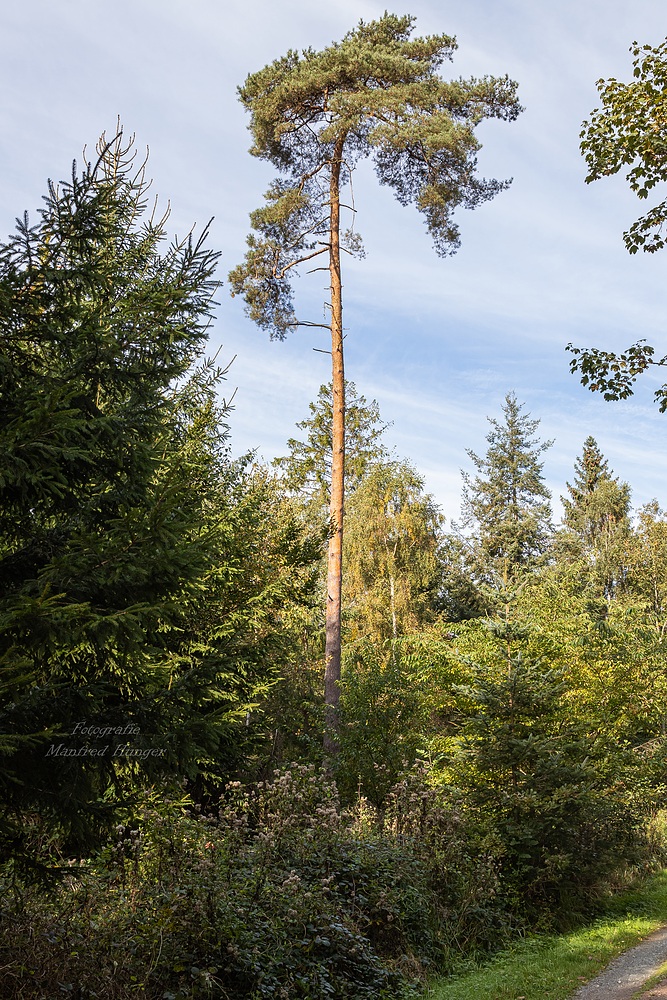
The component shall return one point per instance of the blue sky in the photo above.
(437, 342)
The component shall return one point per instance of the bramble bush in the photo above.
(278, 894)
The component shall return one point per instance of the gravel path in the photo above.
(628, 973)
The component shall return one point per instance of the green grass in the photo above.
(552, 968)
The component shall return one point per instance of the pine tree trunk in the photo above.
(335, 553)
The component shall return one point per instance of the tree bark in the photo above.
(336, 509)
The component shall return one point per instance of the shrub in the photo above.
(278, 895)
(556, 798)
(282, 894)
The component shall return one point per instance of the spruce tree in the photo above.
(134, 557)
(307, 468)
(462, 571)
(597, 514)
(377, 93)
(597, 501)
(507, 502)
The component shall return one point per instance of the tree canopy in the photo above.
(314, 115)
(497, 760)
(628, 130)
(376, 94)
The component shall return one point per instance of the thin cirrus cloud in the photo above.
(438, 342)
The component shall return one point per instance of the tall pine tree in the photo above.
(377, 94)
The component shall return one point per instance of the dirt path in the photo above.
(625, 976)
(658, 992)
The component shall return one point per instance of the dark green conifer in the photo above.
(507, 502)
(597, 501)
(133, 554)
(597, 517)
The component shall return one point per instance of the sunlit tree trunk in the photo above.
(376, 94)
(336, 510)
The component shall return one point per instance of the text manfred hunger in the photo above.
(122, 750)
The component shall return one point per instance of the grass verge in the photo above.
(652, 981)
(553, 968)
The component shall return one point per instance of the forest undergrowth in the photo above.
(278, 892)
(553, 967)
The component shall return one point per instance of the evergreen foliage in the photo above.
(463, 594)
(375, 94)
(497, 774)
(597, 500)
(507, 501)
(307, 468)
(139, 597)
(314, 115)
(597, 514)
